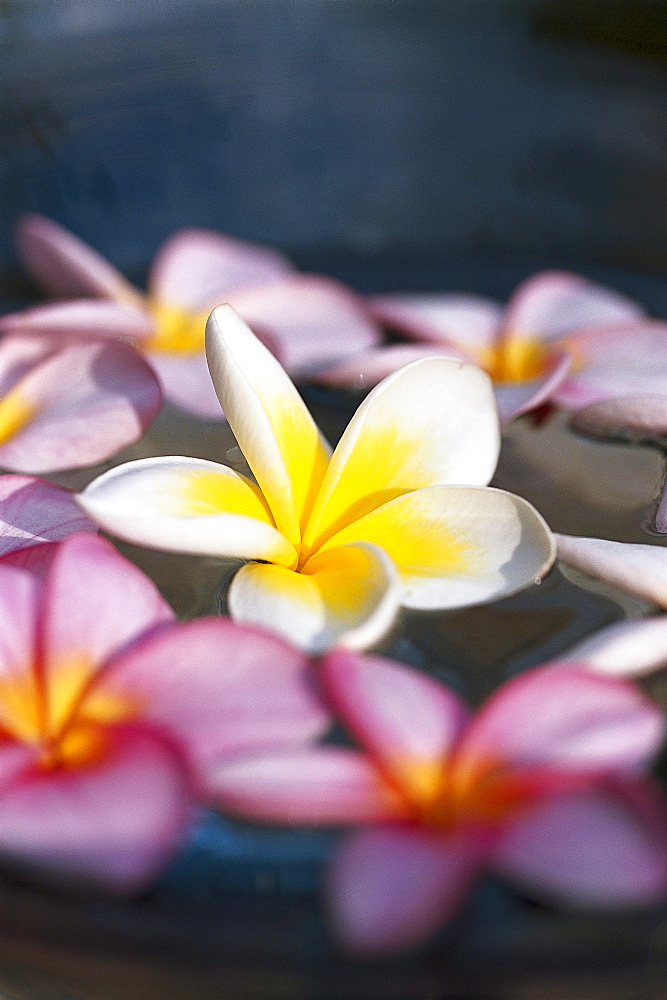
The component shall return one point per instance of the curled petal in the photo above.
(631, 648)
(113, 824)
(604, 848)
(311, 320)
(468, 321)
(638, 569)
(457, 545)
(391, 886)
(565, 718)
(404, 718)
(369, 367)
(430, 423)
(270, 421)
(627, 418)
(552, 304)
(222, 688)
(81, 317)
(66, 266)
(198, 268)
(514, 399)
(78, 406)
(186, 382)
(186, 505)
(33, 511)
(349, 595)
(320, 785)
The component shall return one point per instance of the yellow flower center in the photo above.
(16, 410)
(514, 359)
(177, 331)
(64, 717)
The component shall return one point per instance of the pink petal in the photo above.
(400, 715)
(368, 368)
(312, 785)
(636, 568)
(627, 418)
(391, 886)
(567, 719)
(63, 264)
(96, 602)
(197, 268)
(33, 511)
(660, 516)
(626, 359)
(19, 355)
(88, 400)
(469, 321)
(630, 648)
(517, 398)
(308, 320)
(20, 593)
(222, 688)
(80, 317)
(112, 824)
(186, 382)
(555, 303)
(601, 848)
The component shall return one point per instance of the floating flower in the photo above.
(66, 404)
(543, 786)
(307, 320)
(555, 323)
(111, 717)
(33, 511)
(398, 514)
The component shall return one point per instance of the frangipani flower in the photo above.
(398, 514)
(112, 717)
(33, 511)
(66, 404)
(555, 323)
(193, 271)
(543, 786)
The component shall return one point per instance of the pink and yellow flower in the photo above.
(398, 514)
(308, 320)
(545, 786)
(112, 716)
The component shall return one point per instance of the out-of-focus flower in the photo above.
(307, 320)
(338, 541)
(66, 404)
(111, 717)
(33, 511)
(561, 338)
(544, 786)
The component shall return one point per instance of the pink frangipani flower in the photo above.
(307, 320)
(33, 511)
(561, 338)
(544, 786)
(66, 404)
(111, 715)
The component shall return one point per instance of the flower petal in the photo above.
(604, 848)
(403, 717)
(321, 785)
(186, 505)
(223, 689)
(565, 718)
(272, 425)
(112, 824)
(369, 367)
(33, 511)
(457, 545)
(517, 398)
(469, 321)
(95, 602)
(638, 569)
(630, 648)
(312, 320)
(80, 317)
(627, 359)
(430, 423)
(349, 595)
(627, 418)
(198, 268)
(186, 382)
(66, 266)
(554, 303)
(77, 407)
(20, 605)
(391, 886)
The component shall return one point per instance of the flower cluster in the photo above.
(118, 723)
